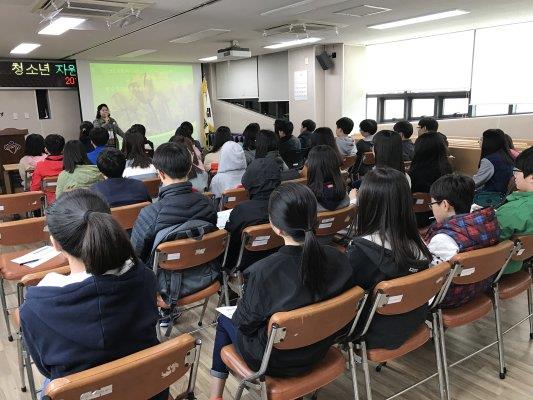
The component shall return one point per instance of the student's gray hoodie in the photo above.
(346, 146)
(231, 168)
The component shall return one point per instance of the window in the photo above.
(394, 109)
(483, 110)
(455, 107)
(422, 107)
(522, 108)
(372, 108)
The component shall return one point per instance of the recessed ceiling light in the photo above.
(417, 20)
(293, 43)
(137, 53)
(25, 48)
(61, 25)
(283, 8)
(206, 33)
(208, 59)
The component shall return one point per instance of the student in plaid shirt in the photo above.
(458, 230)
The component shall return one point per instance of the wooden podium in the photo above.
(12, 145)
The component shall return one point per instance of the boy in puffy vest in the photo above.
(458, 230)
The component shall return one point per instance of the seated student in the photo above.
(324, 179)
(231, 168)
(495, 169)
(78, 172)
(430, 124)
(457, 230)
(306, 131)
(115, 189)
(51, 166)
(99, 138)
(324, 136)
(261, 177)
(405, 129)
(177, 202)
(301, 273)
(148, 145)
(516, 215)
(33, 153)
(222, 135)
(388, 152)
(512, 151)
(248, 145)
(186, 130)
(267, 146)
(289, 146)
(138, 163)
(345, 143)
(387, 246)
(75, 322)
(197, 176)
(85, 129)
(367, 129)
(430, 162)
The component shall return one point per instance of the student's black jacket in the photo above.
(372, 264)
(272, 285)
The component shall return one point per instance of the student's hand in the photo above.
(353, 196)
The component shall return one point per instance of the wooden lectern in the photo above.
(12, 145)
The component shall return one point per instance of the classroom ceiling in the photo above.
(246, 20)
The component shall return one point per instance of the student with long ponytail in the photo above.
(104, 309)
(302, 272)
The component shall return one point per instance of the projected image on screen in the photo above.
(157, 96)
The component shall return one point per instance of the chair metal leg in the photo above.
(351, 354)
(436, 343)
(29, 371)
(501, 352)
(366, 371)
(225, 279)
(204, 307)
(530, 311)
(5, 310)
(22, 373)
(443, 354)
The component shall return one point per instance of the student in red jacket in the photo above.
(52, 165)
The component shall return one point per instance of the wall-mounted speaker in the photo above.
(325, 61)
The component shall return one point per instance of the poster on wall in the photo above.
(300, 85)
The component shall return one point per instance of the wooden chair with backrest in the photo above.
(24, 361)
(421, 202)
(141, 375)
(338, 221)
(369, 159)
(21, 203)
(49, 185)
(231, 197)
(153, 186)
(399, 296)
(471, 267)
(293, 330)
(180, 255)
(348, 162)
(17, 233)
(407, 165)
(27, 178)
(127, 215)
(258, 238)
(210, 196)
(302, 181)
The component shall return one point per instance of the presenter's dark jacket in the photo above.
(177, 204)
(82, 325)
(372, 264)
(272, 285)
(261, 177)
(122, 191)
(110, 125)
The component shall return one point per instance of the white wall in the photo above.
(64, 112)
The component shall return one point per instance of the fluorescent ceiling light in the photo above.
(207, 59)
(25, 48)
(293, 43)
(61, 25)
(206, 33)
(137, 53)
(417, 20)
(294, 5)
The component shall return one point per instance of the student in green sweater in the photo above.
(516, 215)
(77, 169)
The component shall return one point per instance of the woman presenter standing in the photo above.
(104, 120)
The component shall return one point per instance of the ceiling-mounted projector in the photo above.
(233, 52)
